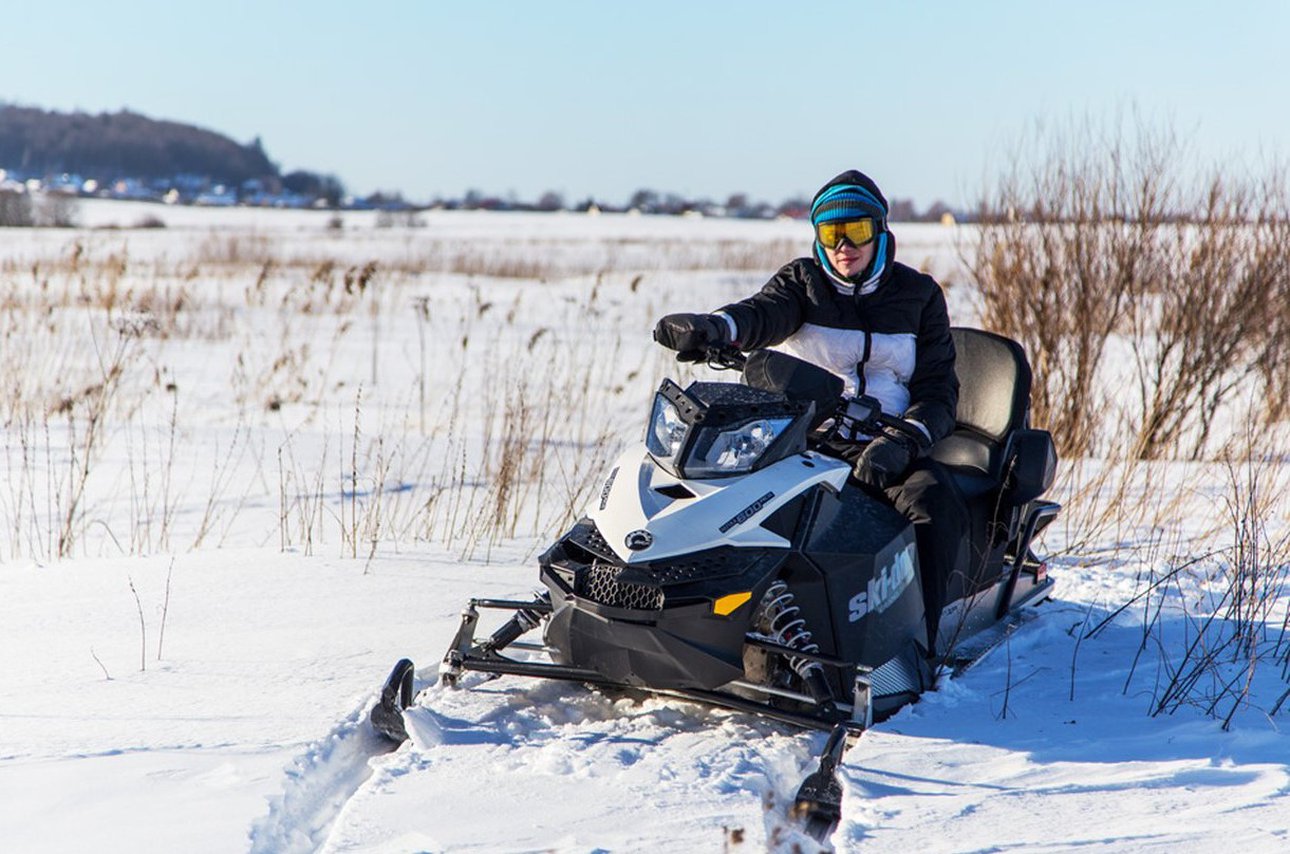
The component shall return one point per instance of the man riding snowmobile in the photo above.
(882, 327)
(745, 553)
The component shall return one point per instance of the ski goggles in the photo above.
(856, 231)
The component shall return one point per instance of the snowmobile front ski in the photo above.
(396, 695)
(818, 805)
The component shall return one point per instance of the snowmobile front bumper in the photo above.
(656, 625)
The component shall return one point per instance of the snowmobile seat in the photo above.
(992, 442)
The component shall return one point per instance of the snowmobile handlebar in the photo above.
(865, 412)
(721, 357)
(872, 419)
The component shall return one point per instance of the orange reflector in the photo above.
(727, 605)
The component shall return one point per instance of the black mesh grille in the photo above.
(600, 583)
(600, 577)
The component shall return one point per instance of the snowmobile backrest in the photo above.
(994, 382)
(994, 403)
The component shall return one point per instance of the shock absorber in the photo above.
(522, 621)
(785, 625)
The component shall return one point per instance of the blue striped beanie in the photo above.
(846, 201)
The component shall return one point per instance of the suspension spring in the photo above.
(786, 627)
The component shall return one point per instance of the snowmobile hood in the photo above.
(646, 514)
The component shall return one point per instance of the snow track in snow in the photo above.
(541, 764)
(319, 783)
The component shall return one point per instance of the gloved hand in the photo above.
(886, 458)
(690, 333)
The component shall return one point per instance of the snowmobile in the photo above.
(728, 561)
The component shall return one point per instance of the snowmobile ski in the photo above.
(818, 805)
(396, 695)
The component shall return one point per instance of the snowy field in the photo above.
(251, 458)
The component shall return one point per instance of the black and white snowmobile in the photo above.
(728, 561)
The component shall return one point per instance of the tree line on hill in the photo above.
(131, 155)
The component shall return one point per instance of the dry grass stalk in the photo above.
(1098, 248)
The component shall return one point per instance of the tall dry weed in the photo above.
(1113, 269)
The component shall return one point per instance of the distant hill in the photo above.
(124, 144)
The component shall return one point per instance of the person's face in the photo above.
(849, 259)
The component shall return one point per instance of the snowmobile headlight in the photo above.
(666, 431)
(732, 449)
(718, 430)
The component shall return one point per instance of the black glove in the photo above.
(691, 333)
(886, 459)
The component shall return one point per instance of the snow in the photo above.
(195, 674)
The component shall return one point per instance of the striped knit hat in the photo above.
(852, 195)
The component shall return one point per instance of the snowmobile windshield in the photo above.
(721, 429)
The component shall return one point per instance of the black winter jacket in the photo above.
(900, 333)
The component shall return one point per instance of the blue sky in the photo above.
(704, 99)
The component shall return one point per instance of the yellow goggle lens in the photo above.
(857, 231)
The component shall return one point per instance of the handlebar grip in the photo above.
(721, 356)
(908, 428)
